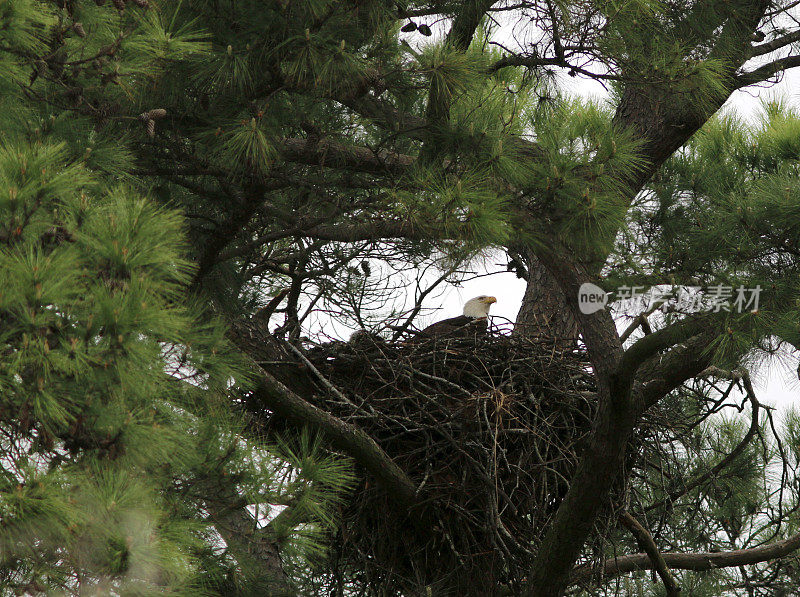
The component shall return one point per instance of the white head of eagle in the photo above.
(478, 307)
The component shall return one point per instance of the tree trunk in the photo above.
(256, 551)
(544, 313)
(588, 494)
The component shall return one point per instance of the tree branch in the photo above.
(661, 376)
(465, 23)
(425, 12)
(766, 71)
(258, 345)
(344, 436)
(534, 61)
(692, 561)
(653, 343)
(387, 116)
(646, 543)
(257, 553)
(619, 409)
(751, 432)
(374, 230)
(639, 320)
(598, 329)
(602, 460)
(328, 153)
(775, 44)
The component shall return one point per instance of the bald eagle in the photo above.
(473, 321)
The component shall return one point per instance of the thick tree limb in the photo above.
(374, 230)
(692, 561)
(602, 461)
(387, 116)
(256, 552)
(344, 436)
(598, 470)
(619, 409)
(775, 44)
(646, 543)
(465, 22)
(766, 71)
(536, 317)
(659, 340)
(288, 403)
(733, 42)
(663, 119)
(598, 329)
(665, 373)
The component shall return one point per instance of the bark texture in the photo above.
(256, 551)
(695, 561)
(544, 312)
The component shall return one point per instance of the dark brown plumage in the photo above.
(456, 327)
(473, 322)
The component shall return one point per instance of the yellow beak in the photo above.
(489, 300)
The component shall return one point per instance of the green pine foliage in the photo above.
(163, 164)
(585, 160)
(242, 108)
(722, 213)
(734, 509)
(115, 383)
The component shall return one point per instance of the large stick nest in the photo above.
(491, 429)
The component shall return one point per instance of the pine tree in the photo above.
(124, 470)
(190, 184)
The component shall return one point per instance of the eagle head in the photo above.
(478, 307)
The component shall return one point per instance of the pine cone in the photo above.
(78, 28)
(141, 3)
(409, 27)
(425, 30)
(151, 128)
(119, 4)
(156, 114)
